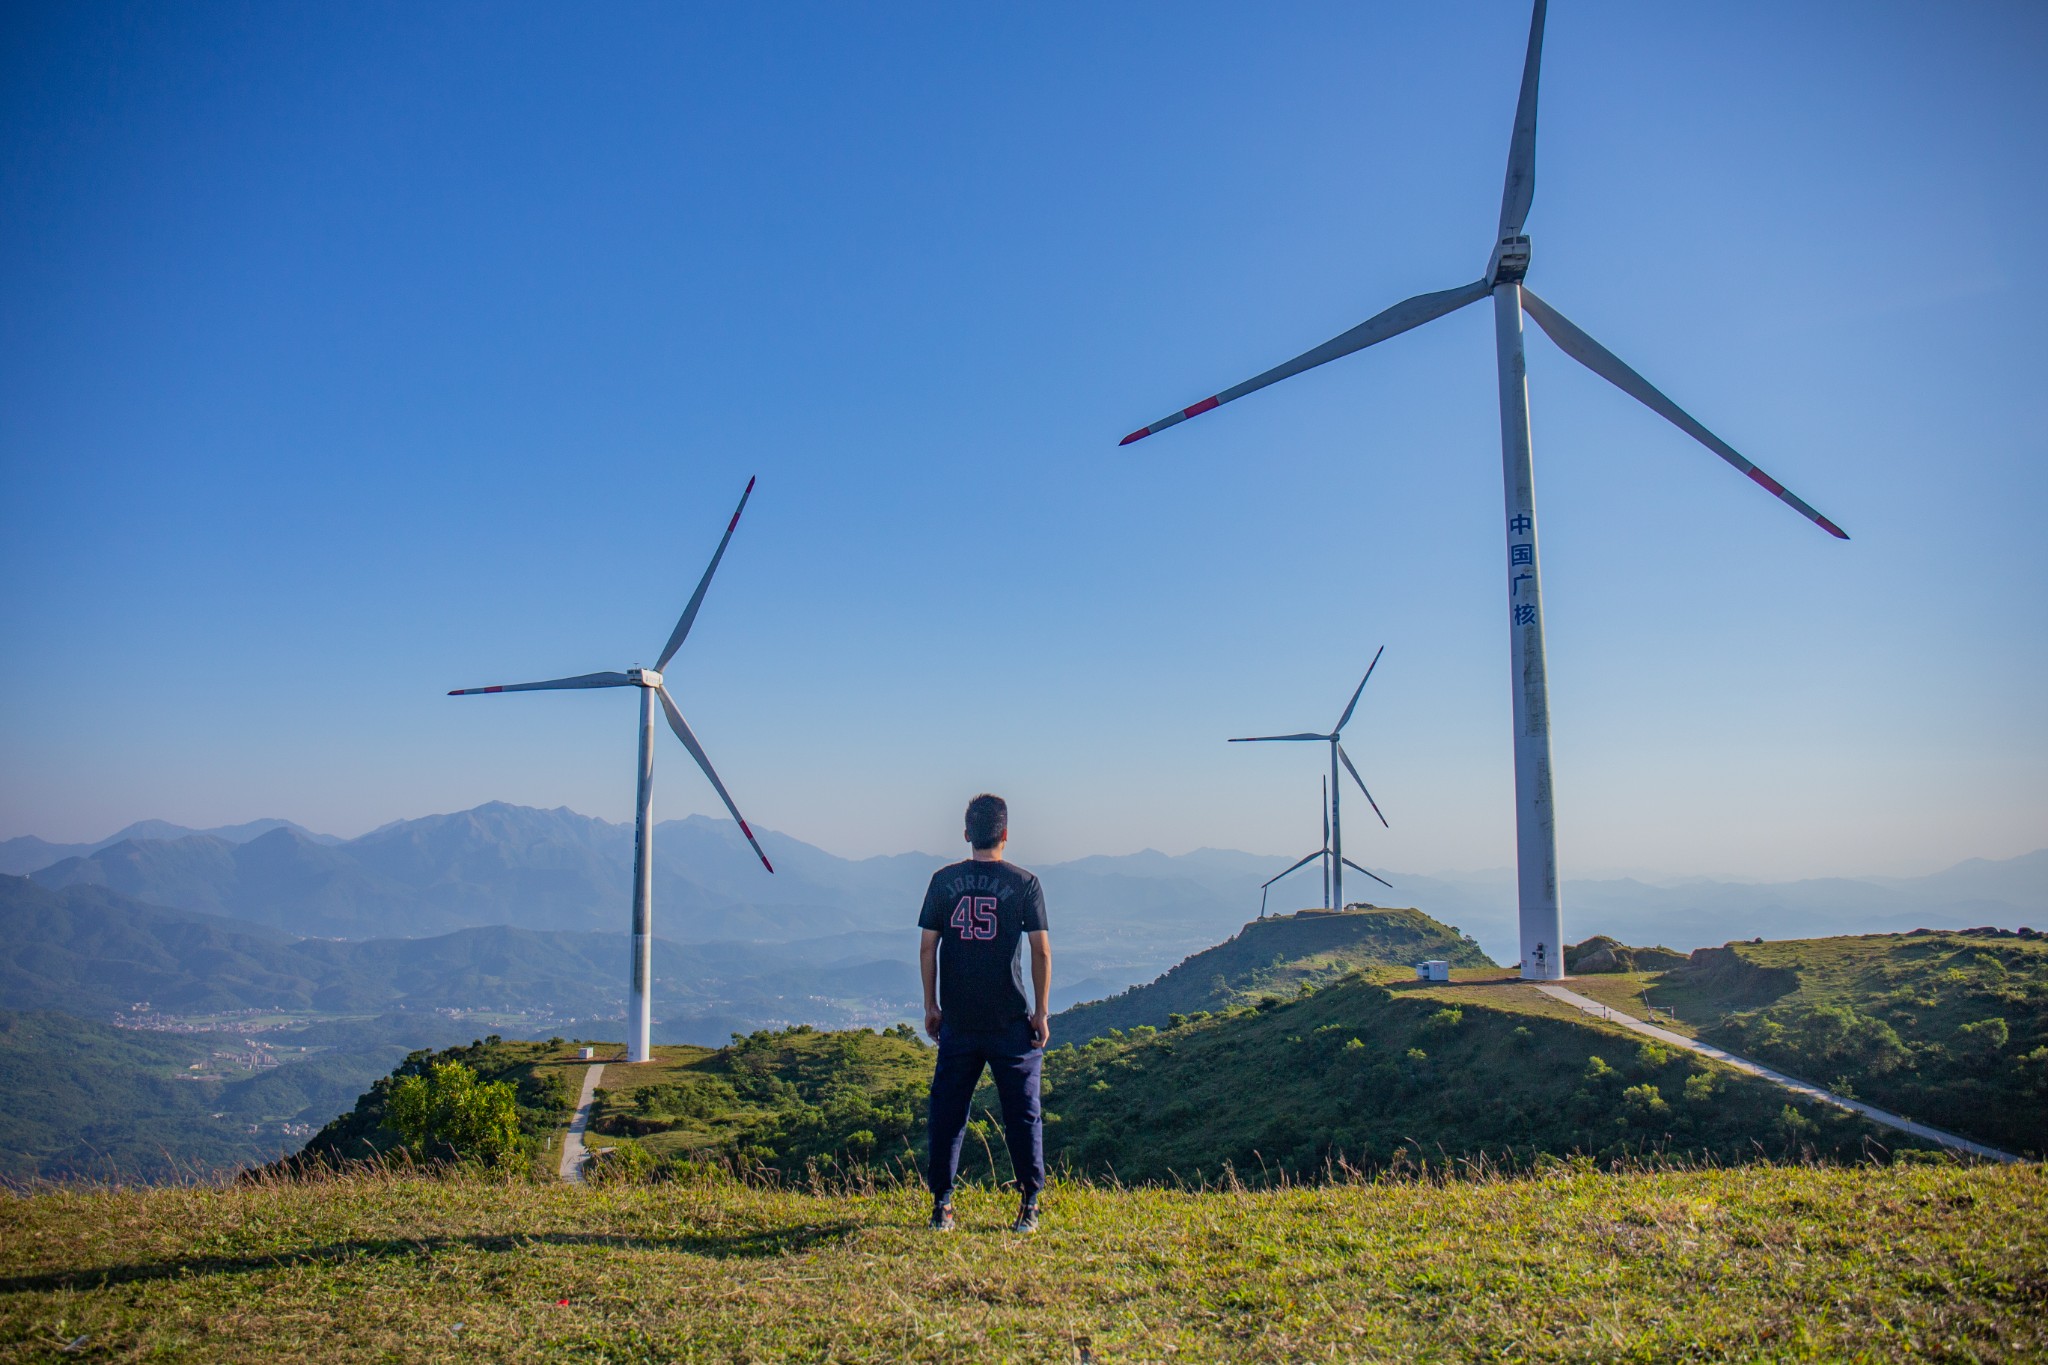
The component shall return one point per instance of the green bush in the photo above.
(449, 1115)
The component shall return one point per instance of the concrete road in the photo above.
(572, 1141)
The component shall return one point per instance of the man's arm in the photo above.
(1041, 986)
(928, 968)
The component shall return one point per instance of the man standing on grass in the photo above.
(976, 917)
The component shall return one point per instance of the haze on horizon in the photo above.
(349, 355)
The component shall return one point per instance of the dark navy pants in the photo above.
(1014, 1061)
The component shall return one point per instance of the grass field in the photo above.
(1907, 1262)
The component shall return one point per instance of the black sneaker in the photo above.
(942, 1216)
(1027, 1217)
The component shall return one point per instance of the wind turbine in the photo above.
(648, 680)
(1331, 860)
(1535, 816)
(1333, 824)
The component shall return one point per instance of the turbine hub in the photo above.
(644, 677)
(1510, 260)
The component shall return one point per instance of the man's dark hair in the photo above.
(988, 820)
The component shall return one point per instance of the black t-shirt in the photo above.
(982, 910)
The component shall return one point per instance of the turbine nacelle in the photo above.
(1510, 261)
(643, 677)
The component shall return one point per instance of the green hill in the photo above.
(1375, 1076)
(1370, 1070)
(1277, 956)
(780, 1099)
(1762, 1263)
(1947, 1028)
(1357, 1075)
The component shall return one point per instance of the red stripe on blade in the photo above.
(1140, 434)
(1766, 481)
(490, 689)
(1832, 529)
(1198, 409)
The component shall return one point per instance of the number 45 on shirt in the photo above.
(975, 917)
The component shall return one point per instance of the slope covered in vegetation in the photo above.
(1377, 1076)
(1947, 1028)
(1275, 956)
(542, 1077)
(780, 1099)
(1761, 1263)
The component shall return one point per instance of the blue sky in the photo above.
(353, 353)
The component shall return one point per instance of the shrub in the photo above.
(1643, 1106)
(447, 1114)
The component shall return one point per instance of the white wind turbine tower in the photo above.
(1332, 860)
(648, 680)
(1535, 817)
(1333, 821)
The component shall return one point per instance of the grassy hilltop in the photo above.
(1907, 1262)
(1365, 1075)
(1275, 956)
(1948, 1028)
(1378, 1074)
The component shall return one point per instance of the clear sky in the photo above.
(351, 353)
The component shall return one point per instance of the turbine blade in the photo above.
(1344, 719)
(1520, 190)
(1261, 739)
(1375, 876)
(551, 685)
(1403, 316)
(1296, 868)
(1609, 367)
(682, 729)
(682, 630)
(1361, 786)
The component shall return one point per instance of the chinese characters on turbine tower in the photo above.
(1522, 558)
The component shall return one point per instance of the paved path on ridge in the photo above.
(572, 1141)
(1797, 1087)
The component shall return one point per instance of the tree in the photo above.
(448, 1114)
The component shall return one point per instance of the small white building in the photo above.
(1433, 971)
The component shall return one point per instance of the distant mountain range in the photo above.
(1119, 919)
(28, 853)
